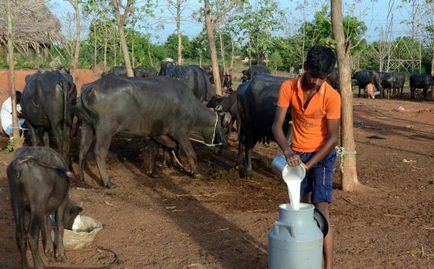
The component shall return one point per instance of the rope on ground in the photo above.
(342, 152)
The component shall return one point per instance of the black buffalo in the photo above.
(145, 72)
(46, 103)
(253, 71)
(139, 72)
(364, 77)
(157, 108)
(193, 76)
(227, 104)
(225, 78)
(38, 180)
(392, 83)
(333, 79)
(257, 99)
(420, 81)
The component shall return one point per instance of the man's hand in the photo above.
(293, 159)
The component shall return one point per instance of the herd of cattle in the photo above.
(168, 109)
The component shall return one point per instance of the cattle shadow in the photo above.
(231, 246)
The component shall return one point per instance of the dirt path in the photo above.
(222, 221)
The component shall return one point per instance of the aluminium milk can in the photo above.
(295, 241)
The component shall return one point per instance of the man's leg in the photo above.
(328, 240)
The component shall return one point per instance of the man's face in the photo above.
(313, 81)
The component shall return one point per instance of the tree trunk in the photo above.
(105, 52)
(178, 29)
(77, 34)
(115, 50)
(349, 171)
(17, 143)
(212, 49)
(232, 54)
(432, 69)
(94, 45)
(132, 50)
(120, 20)
(222, 50)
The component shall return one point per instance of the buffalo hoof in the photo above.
(49, 252)
(110, 185)
(60, 257)
(246, 174)
(153, 174)
(197, 176)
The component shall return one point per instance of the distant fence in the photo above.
(81, 76)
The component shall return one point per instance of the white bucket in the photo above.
(292, 177)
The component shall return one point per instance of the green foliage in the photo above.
(172, 46)
(275, 61)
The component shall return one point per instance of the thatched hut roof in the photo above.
(34, 24)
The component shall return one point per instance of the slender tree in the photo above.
(349, 171)
(17, 142)
(213, 18)
(212, 48)
(176, 8)
(75, 4)
(121, 18)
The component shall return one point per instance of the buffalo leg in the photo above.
(102, 145)
(151, 153)
(34, 134)
(60, 251)
(85, 143)
(58, 136)
(20, 234)
(189, 152)
(34, 229)
(46, 236)
(248, 161)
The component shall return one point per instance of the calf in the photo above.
(227, 104)
(38, 182)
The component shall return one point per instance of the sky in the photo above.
(373, 12)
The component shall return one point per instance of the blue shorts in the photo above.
(318, 179)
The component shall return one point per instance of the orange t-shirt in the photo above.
(309, 126)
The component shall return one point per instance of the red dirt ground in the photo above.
(222, 221)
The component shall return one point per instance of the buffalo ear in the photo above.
(218, 108)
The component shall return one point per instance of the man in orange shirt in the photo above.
(316, 112)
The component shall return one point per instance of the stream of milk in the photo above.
(293, 181)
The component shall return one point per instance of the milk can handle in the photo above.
(291, 228)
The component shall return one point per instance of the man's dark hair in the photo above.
(320, 60)
(18, 96)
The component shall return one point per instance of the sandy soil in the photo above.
(222, 221)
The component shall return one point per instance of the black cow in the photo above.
(420, 81)
(46, 103)
(38, 180)
(364, 77)
(333, 79)
(392, 83)
(139, 72)
(257, 100)
(157, 108)
(227, 104)
(193, 76)
(226, 79)
(116, 70)
(145, 72)
(253, 71)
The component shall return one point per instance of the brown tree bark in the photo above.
(178, 29)
(17, 143)
(212, 49)
(76, 56)
(222, 50)
(432, 70)
(349, 171)
(120, 20)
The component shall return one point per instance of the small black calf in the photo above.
(42, 189)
